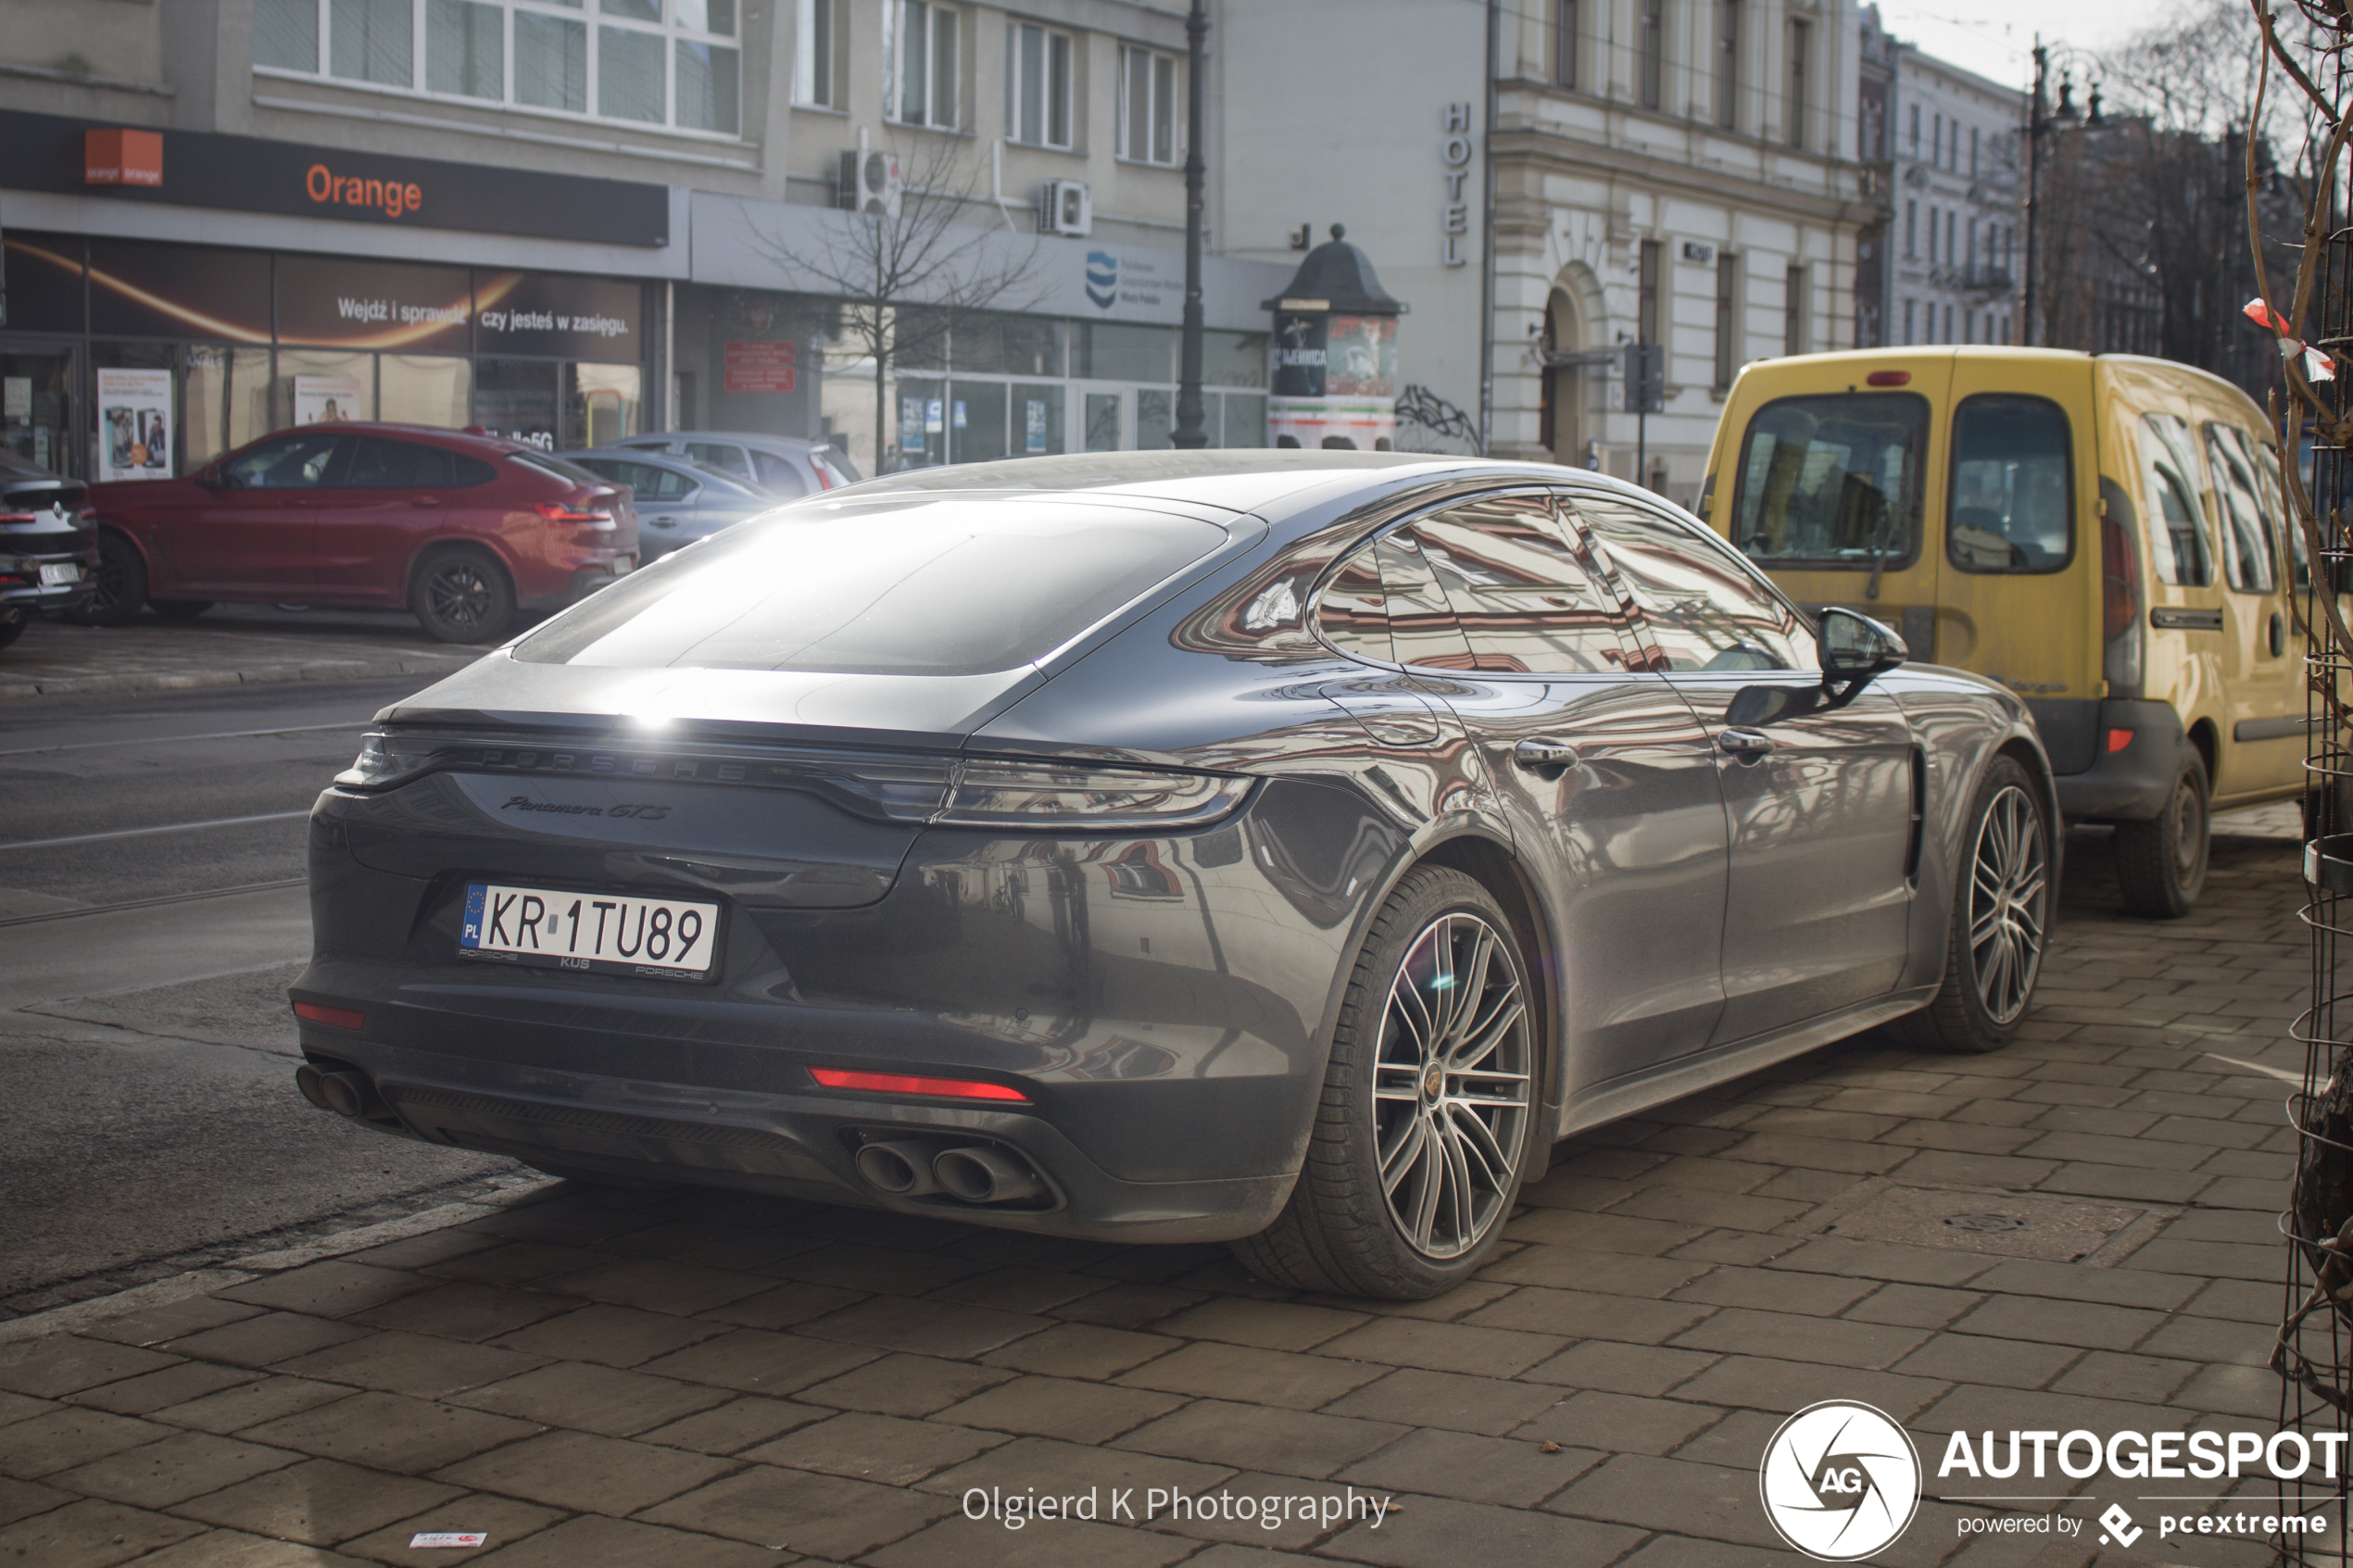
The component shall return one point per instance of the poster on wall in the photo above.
(134, 424)
(326, 400)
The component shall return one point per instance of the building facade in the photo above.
(565, 224)
(1955, 245)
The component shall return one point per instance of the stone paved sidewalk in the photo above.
(228, 646)
(701, 1379)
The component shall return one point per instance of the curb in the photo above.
(203, 1282)
(276, 674)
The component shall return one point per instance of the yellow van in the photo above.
(2101, 533)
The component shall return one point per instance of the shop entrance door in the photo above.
(36, 409)
(1103, 417)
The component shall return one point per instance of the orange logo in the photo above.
(398, 200)
(122, 158)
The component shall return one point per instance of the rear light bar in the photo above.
(564, 511)
(905, 1083)
(1888, 378)
(340, 1018)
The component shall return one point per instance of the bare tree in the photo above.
(906, 279)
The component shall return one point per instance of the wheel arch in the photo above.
(453, 544)
(2204, 734)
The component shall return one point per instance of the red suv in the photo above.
(463, 529)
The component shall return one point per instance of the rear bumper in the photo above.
(2128, 785)
(1163, 1004)
(20, 586)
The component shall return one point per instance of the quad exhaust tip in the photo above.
(345, 1093)
(980, 1174)
(901, 1169)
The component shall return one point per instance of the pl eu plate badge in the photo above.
(472, 933)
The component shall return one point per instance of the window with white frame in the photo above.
(815, 80)
(1146, 106)
(924, 64)
(1037, 85)
(671, 63)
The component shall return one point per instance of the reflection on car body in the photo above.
(1277, 849)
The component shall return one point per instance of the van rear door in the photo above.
(2019, 589)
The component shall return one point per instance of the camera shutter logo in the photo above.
(1840, 1480)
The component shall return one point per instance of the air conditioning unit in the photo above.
(869, 183)
(1066, 206)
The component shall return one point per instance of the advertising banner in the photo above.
(141, 290)
(1298, 354)
(134, 424)
(327, 400)
(394, 306)
(542, 313)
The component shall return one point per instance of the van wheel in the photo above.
(462, 595)
(120, 584)
(2161, 863)
(1428, 1107)
(2001, 920)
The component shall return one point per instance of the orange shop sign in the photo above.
(393, 198)
(116, 156)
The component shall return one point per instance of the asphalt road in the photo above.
(151, 916)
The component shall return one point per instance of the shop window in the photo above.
(1020, 346)
(225, 396)
(371, 41)
(285, 34)
(465, 49)
(426, 389)
(551, 62)
(1102, 422)
(1146, 106)
(602, 403)
(1233, 358)
(515, 400)
(324, 386)
(1245, 419)
(815, 70)
(1155, 419)
(926, 72)
(1037, 85)
(975, 421)
(36, 403)
(1121, 351)
(1036, 416)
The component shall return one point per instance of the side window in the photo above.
(2267, 480)
(2248, 546)
(380, 464)
(1420, 618)
(1524, 599)
(2178, 544)
(669, 484)
(465, 471)
(2012, 504)
(778, 476)
(292, 462)
(727, 458)
(1353, 612)
(1703, 607)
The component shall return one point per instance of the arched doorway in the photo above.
(1561, 406)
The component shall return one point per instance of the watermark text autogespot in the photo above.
(1123, 1505)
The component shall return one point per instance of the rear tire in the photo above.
(1428, 1105)
(2161, 864)
(2001, 921)
(462, 597)
(121, 590)
(179, 610)
(12, 625)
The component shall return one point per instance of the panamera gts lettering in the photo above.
(643, 813)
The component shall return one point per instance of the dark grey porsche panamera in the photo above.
(1283, 849)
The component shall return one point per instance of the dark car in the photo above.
(1277, 849)
(463, 530)
(786, 466)
(678, 500)
(48, 557)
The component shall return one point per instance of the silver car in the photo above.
(782, 465)
(678, 500)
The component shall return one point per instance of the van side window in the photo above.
(1834, 481)
(2249, 546)
(2178, 544)
(2012, 505)
(2267, 476)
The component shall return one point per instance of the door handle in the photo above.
(1549, 758)
(665, 522)
(1746, 744)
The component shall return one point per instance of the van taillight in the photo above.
(2119, 581)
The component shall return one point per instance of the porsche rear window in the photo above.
(957, 584)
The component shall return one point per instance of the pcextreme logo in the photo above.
(1840, 1480)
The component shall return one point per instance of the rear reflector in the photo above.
(341, 1018)
(901, 1084)
(1888, 378)
(2119, 739)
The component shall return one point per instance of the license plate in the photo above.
(58, 575)
(594, 933)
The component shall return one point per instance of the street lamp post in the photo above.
(2039, 124)
(1188, 433)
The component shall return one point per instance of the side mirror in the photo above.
(1855, 647)
(209, 478)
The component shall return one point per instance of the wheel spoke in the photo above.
(1398, 1161)
(1477, 1140)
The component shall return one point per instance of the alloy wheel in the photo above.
(1450, 1085)
(2008, 891)
(459, 595)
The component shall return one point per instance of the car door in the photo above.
(667, 501)
(779, 475)
(724, 456)
(390, 497)
(250, 535)
(1820, 807)
(1600, 769)
(2263, 695)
